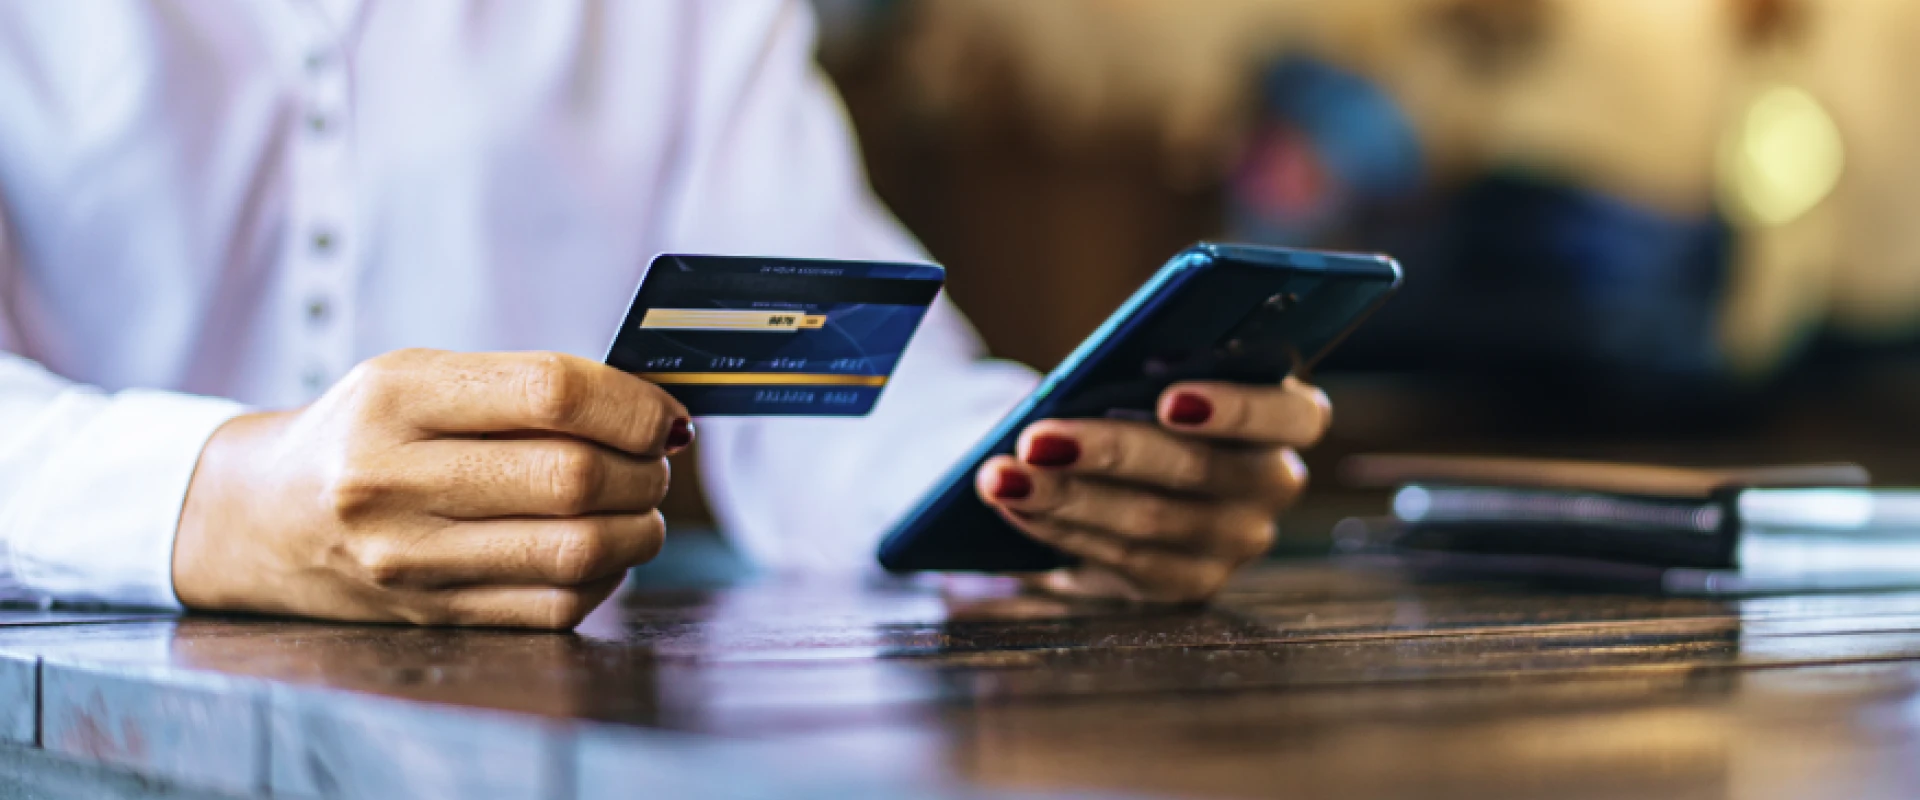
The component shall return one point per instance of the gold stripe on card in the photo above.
(720, 319)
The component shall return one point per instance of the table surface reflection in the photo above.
(1343, 678)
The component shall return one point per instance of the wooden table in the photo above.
(1310, 679)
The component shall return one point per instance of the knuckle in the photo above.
(1101, 452)
(1197, 584)
(651, 423)
(1318, 409)
(1044, 531)
(653, 536)
(1242, 414)
(1255, 537)
(639, 489)
(1124, 452)
(660, 475)
(1311, 431)
(382, 563)
(374, 373)
(355, 492)
(574, 475)
(555, 392)
(1167, 580)
(1190, 468)
(378, 389)
(1086, 545)
(1089, 546)
(1208, 581)
(579, 553)
(1284, 476)
(1143, 566)
(564, 610)
(369, 390)
(1053, 496)
(1159, 518)
(386, 372)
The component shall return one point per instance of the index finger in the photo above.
(479, 393)
(1291, 414)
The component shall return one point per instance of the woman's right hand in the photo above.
(429, 487)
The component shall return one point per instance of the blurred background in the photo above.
(1671, 230)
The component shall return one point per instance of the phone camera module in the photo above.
(1283, 301)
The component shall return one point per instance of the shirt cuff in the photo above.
(98, 522)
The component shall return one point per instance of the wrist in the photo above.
(211, 563)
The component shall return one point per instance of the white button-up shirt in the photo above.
(207, 205)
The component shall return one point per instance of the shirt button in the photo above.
(315, 379)
(324, 241)
(318, 123)
(318, 309)
(319, 60)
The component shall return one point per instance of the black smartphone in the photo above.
(1215, 312)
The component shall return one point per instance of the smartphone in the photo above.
(1217, 312)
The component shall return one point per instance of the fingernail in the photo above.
(681, 434)
(1013, 486)
(1189, 409)
(1052, 451)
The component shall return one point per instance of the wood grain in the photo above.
(1347, 678)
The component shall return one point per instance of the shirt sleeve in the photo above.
(771, 168)
(91, 482)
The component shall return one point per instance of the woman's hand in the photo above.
(1161, 512)
(435, 488)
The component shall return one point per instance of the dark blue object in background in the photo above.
(1516, 276)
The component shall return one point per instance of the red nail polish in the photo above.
(681, 434)
(1189, 409)
(1052, 451)
(1013, 486)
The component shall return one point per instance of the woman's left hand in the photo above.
(1161, 511)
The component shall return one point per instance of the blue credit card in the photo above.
(730, 335)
